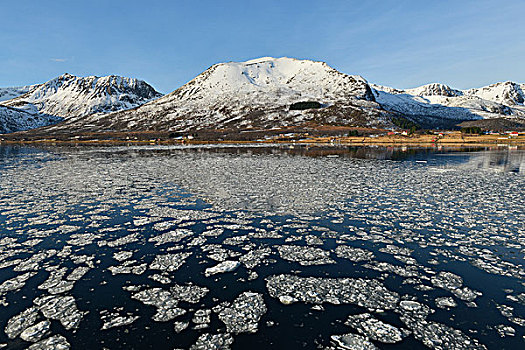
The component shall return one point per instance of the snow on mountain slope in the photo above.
(262, 94)
(507, 93)
(434, 101)
(434, 89)
(252, 94)
(68, 96)
(12, 92)
(12, 119)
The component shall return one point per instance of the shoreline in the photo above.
(385, 141)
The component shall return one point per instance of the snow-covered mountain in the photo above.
(258, 95)
(69, 97)
(429, 103)
(254, 94)
(12, 92)
(12, 119)
(262, 94)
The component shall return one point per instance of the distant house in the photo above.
(404, 133)
(513, 134)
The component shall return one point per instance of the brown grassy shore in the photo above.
(319, 135)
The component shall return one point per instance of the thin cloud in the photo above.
(59, 59)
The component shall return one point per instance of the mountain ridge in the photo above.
(259, 93)
(68, 97)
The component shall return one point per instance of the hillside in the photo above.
(256, 94)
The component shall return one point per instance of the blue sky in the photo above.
(397, 43)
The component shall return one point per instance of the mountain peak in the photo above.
(66, 76)
(434, 89)
(69, 96)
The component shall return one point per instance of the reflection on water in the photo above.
(506, 159)
(510, 161)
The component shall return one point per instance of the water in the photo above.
(428, 223)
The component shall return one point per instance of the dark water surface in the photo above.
(428, 245)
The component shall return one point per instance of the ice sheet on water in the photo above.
(18, 323)
(15, 283)
(165, 301)
(56, 342)
(222, 267)
(438, 336)
(116, 318)
(445, 302)
(128, 267)
(353, 253)
(392, 211)
(189, 293)
(36, 332)
(169, 262)
(171, 236)
(367, 293)
(179, 326)
(374, 329)
(122, 255)
(255, 257)
(244, 313)
(305, 255)
(208, 341)
(61, 308)
(350, 342)
(201, 318)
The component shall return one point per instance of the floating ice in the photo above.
(351, 342)
(15, 283)
(445, 302)
(122, 255)
(128, 268)
(370, 294)
(375, 329)
(201, 318)
(209, 341)
(165, 302)
(189, 293)
(180, 326)
(225, 266)
(56, 342)
(244, 313)
(169, 262)
(18, 323)
(171, 237)
(36, 332)
(116, 319)
(61, 308)
(353, 254)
